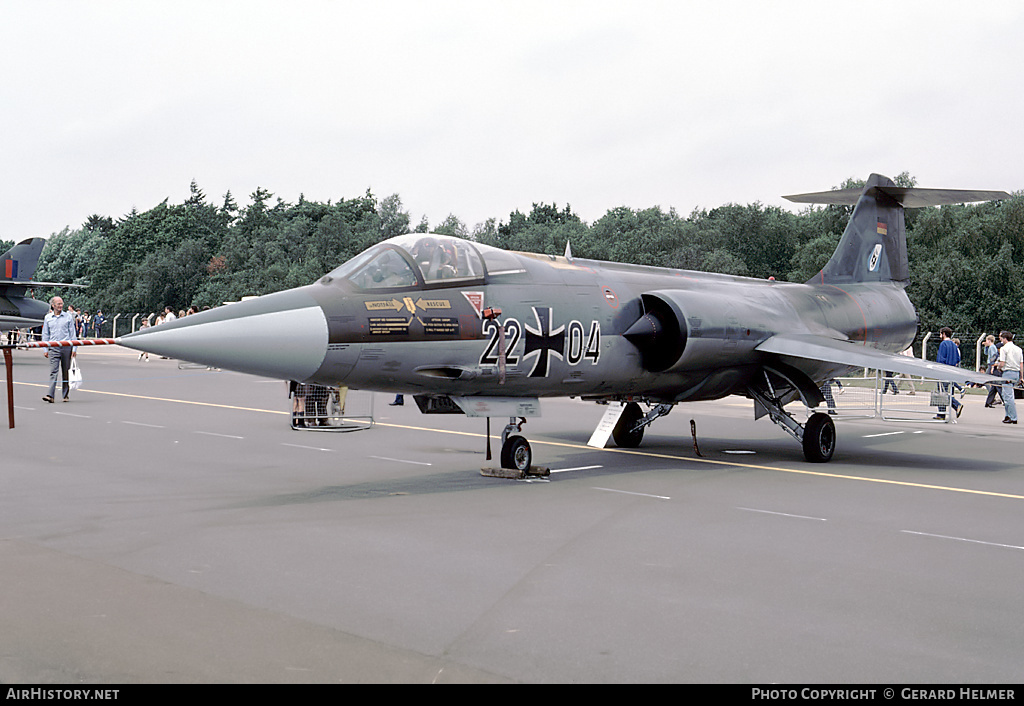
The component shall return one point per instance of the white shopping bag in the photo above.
(75, 375)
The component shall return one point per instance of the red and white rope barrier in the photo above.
(69, 344)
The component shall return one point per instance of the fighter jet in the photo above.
(474, 329)
(17, 265)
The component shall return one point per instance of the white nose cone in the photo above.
(288, 344)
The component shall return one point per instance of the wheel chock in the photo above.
(515, 474)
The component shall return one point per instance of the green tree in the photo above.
(812, 256)
(452, 226)
(101, 225)
(765, 239)
(966, 261)
(643, 237)
(393, 220)
(68, 257)
(545, 230)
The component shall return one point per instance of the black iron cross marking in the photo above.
(543, 341)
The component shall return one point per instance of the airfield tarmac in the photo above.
(167, 526)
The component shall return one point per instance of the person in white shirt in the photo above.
(1011, 365)
(58, 325)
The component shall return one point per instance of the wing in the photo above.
(812, 347)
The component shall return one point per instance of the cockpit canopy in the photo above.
(423, 259)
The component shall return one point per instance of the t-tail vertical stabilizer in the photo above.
(19, 263)
(874, 245)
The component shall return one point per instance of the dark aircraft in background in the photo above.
(17, 265)
(470, 328)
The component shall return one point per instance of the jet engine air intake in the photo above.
(689, 330)
(660, 334)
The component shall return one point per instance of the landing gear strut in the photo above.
(817, 437)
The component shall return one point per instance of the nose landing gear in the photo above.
(516, 455)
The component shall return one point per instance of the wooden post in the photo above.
(9, 365)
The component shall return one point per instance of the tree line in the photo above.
(965, 261)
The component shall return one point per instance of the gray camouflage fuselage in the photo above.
(566, 336)
(564, 325)
(411, 315)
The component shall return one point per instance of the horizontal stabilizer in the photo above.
(820, 348)
(873, 248)
(33, 283)
(906, 197)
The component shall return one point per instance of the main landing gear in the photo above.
(817, 436)
(819, 440)
(629, 430)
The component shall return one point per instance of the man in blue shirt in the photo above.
(949, 354)
(59, 325)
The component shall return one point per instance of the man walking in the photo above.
(949, 354)
(991, 356)
(1010, 364)
(58, 325)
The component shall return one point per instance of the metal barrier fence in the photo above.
(896, 398)
(320, 408)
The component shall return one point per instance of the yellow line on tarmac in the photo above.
(583, 447)
(165, 399)
(823, 474)
(734, 464)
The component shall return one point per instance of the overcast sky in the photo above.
(482, 107)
